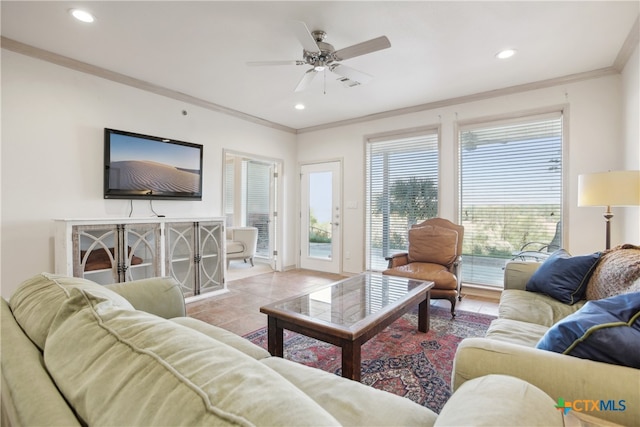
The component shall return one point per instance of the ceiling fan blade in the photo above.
(304, 36)
(260, 63)
(363, 48)
(351, 74)
(306, 79)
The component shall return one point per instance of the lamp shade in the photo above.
(618, 188)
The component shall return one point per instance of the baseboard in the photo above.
(479, 291)
(195, 298)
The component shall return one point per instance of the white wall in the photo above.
(631, 117)
(52, 156)
(594, 114)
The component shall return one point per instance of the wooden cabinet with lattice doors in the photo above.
(191, 250)
(110, 252)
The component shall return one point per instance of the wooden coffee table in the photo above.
(348, 313)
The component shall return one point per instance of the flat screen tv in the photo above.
(148, 167)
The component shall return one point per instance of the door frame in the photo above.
(275, 202)
(336, 266)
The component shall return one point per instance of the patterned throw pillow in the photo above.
(618, 272)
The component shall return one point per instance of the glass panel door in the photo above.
(250, 199)
(320, 217)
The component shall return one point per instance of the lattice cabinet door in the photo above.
(210, 275)
(140, 251)
(110, 253)
(95, 253)
(181, 253)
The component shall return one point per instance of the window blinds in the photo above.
(510, 191)
(401, 189)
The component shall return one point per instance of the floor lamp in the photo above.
(618, 188)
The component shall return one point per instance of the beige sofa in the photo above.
(509, 345)
(77, 353)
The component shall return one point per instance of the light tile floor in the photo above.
(239, 309)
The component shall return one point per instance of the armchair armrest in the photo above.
(244, 234)
(456, 269)
(158, 295)
(557, 375)
(517, 274)
(396, 260)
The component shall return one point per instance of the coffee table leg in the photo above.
(275, 338)
(423, 314)
(351, 361)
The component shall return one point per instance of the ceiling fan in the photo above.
(322, 56)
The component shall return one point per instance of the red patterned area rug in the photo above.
(400, 359)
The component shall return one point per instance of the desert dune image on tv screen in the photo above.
(153, 167)
(151, 176)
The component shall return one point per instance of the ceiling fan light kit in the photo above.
(322, 56)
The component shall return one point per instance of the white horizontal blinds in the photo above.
(402, 189)
(258, 180)
(510, 191)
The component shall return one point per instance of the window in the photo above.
(510, 191)
(401, 190)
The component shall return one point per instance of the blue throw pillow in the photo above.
(564, 277)
(606, 330)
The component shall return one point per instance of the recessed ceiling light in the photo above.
(504, 54)
(299, 107)
(82, 15)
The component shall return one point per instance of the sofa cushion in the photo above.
(129, 367)
(437, 273)
(535, 308)
(37, 300)
(224, 336)
(364, 406)
(516, 332)
(433, 244)
(606, 330)
(617, 272)
(564, 277)
(234, 247)
(161, 296)
(499, 400)
(29, 397)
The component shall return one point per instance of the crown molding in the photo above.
(572, 78)
(84, 67)
(629, 45)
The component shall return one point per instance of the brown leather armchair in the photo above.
(435, 248)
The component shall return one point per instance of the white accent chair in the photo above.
(241, 243)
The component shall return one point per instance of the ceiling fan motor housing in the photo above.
(324, 56)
